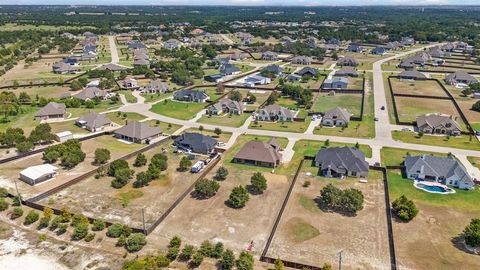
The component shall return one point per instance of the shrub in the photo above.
(206, 248)
(172, 253)
(349, 200)
(404, 208)
(16, 213)
(176, 241)
(206, 188)
(102, 155)
(78, 219)
(89, 237)
(98, 225)
(55, 222)
(140, 160)
(217, 250)
(185, 164)
(3, 192)
(31, 217)
(117, 230)
(162, 261)
(471, 233)
(245, 261)
(80, 231)
(43, 223)
(135, 242)
(238, 197)
(197, 260)
(3, 204)
(221, 174)
(186, 253)
(122, 240)
(62, 228)
(258, 183)
(228, 260)
(116, 165)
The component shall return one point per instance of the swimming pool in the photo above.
(433, 188)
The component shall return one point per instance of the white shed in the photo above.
(37, 174)
(64, 136)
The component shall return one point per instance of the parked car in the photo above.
(376, 118)
(382, 108)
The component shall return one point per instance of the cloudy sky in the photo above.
(245, 2)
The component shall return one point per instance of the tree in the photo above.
(206, 188)
(217, 250)
(117, 230)
(235, 96)
(217, 131)
(185, 164)
(221, 174)
(186, 253)
(349, 200)
(25, 146)
(3, 204)
(142, 180)
(258, 183)
(331, 196)
(471, 233)
(228, 260)
(279, 264)
(159, 161)
(197, 259)
(135, 242)
(80, 231)
(122, 176)
(17, 212)
(102, 155)
(206, 248)
(476, 106)
(42, 134)
(116, 165)
(176, 241)
(245, 261)
(352, 200)
(31, 217)
(238, 197)
(172, 253)
(404, 208)
(140, 160)
(98, 225)
(200, 128)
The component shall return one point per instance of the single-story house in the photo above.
(130, 83)
(36, 174)
(275, 113)
(444, 170)
(379, 50)
(355, 48)
(307, 71)
(171, 44)
(436, 123)
(294, 77)
(275, 69)
(253, 80)
(412, 75)
(92, 93)
(347, 61)
(137, 132)
(190, 95)
(155, 87)
(301, 60)
(196, 142)
(215, 78)
(258, 153)
(229, 69)
(460, 78)
(93, 122)
(339, 162)
(111, 67)
(346, 72)
(64, 68)
(270, 56)
(51, 111)
(226, 105)
(335, 83)
(336, 117)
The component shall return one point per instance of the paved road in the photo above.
(113, 49)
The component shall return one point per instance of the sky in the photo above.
(244, 2)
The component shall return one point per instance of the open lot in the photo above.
(355, 83)
(395, 156)
(365, 59)
(41, 91)
(179, 110)
(418, 87)
(96, 197)
(230, 120)
(294, 126)
(310, 235)
(9, 172)
(351, 102)
(462, 141)
(431, 240)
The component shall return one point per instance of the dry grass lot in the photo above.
(409, 108)
(9, 171)
(309, 235)
(425, 87)
(96, 197)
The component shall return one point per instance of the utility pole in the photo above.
(340, 260)
(18, 192)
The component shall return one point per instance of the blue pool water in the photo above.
(433, 188)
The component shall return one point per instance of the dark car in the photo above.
(382, 108)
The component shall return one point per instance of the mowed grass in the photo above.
(121, 117)
(294, 126)
(310, 148)
(351, 102)
(395, 156)
(475, 161)
(127, 196)
(463, 141)
(228, 120)
(166, 128)
(302, 231)
(128, 96)
(155, 97)
(179, 110)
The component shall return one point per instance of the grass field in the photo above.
(419, 87)
(120, 118)
(179, 110)
(166, 128)
(395, 156)
(155, 97)
(24, 27)
(228, 120)
(310, 148)
(351, 102)
(463, 141)
(128, 96)
(295, 126)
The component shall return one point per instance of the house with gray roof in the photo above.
(93, 122)
(111, 67)
(407, 64)
(229, 69)
(189, 95)
(307, 71)
(259, 153)
(339, 162)
(252, 80)
(156, 87)
(354, 47)
(90, 93)
(460, 79)
(226, 105)
(336, 117)
(130, 82)
(137, 132)
(52, 110)
(64, 68)
(335, 83)
(412, 75)
(346, 72)
(269, 56)
(171, 44)
(275, 113)
(380, 50)
(348, 61)
(294, 77)
(196, 142)
(302, 60)
(275, 69)
(436, 123)
(444, 170)
(141, 62)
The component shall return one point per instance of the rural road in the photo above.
(113, 49)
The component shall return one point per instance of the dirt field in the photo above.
(9, 171)
(96, 198)
(198, 220)
(309, 235)
(409, 108)
(427, 88)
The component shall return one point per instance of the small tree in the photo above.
(16, 213)
(135, 242)
(221, 174)
(327, 266)
(98, 225)
(206, 188)
(80, 231)
(185, 164)
(404, 208)
(31, 217)
(327, 142)
(186, 253)
(176, 241)
(279, 264)
(258, 183)
(217, 131)
(476, 106)
(117, 230)
(140, 160)
(471, 233)
(197, 260)
(102, 155)
(228, 260)
(217, 250)
(245, 261)
(238, 197)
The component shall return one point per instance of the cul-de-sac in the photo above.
(239, 135)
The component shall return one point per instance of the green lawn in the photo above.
(113, 144)
(462, 141)
(164, 127)
(310, 148)
(155, 97)
(225, 120)
(224, 136)
(179, 110)
(68, 125)
(351, 102)
(212, 93)
(395, 156)
(475, 161)
(47, 91)
(128, 96)
(462, 200)
(120, 118)
(295, 126)
(302, 231)
(287, 103)
(24, 119)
